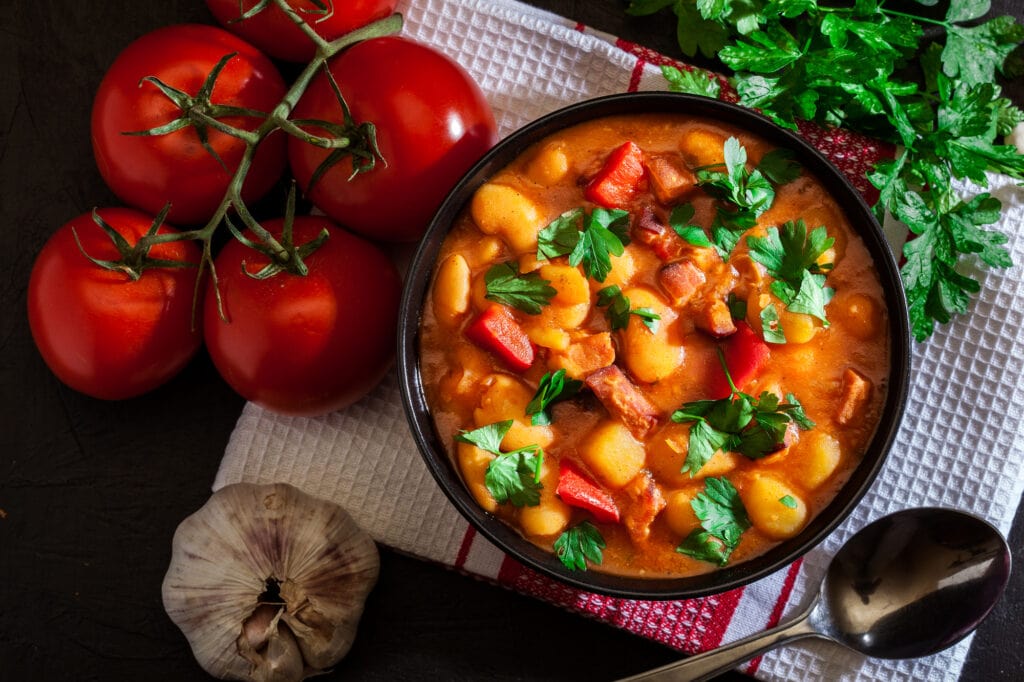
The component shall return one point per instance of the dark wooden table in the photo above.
(91, 491)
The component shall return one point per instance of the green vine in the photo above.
(350, 138)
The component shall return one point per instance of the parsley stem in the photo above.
(914, 17)
(725, 368)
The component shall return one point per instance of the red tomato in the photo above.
(100, 332)
(432, 124)
(273, 32)
(149, 171)
(305, 345)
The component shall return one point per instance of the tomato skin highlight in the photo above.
(101, 333)
(432, 123)
(149, 171)
(305, 345)
(275, 34)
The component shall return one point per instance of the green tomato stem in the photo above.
(277, 119)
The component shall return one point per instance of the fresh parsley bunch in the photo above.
(870, 68)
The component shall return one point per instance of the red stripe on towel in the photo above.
(638, 68)
(634, 78)
(467, 543)
(715, 630)
(780, 605)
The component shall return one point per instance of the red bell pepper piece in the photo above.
(615, 184)
(577, 490)
(495, 330)
(745, 356)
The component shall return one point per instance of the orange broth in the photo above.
(837, 372)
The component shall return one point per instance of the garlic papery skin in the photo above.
(268, 583)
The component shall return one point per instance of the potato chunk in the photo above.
(571, 305)
(861, 314)
(797, 327)
(612, 454)
(451, 288)
(549, 165)
(469, 365)
(473, 463)
(703, 147)
(507, 212)
(668, 450)
(546, 336)
(506, 397)
(679, 514)
(774, 508)
(818, 455)
(624, 267)
(651, 356)
(551, 515)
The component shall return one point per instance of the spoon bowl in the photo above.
(907, 585)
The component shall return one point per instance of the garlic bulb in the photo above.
(268, 583)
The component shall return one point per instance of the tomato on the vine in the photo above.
(272, 31)
(148, 171)
(432, 123)
(101, 332)
(304, 345)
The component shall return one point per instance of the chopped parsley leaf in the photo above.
(579, 544)
(679, 220)
(771, 326)
(619, 310)
(753, 427)
(511, 476)
(553, 388)
(527, 292)
(791, 255)
(723, 520)
(604, 233)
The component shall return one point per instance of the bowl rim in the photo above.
(435, 455)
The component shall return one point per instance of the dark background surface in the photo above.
(91, 491)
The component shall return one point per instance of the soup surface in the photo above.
(654, 345)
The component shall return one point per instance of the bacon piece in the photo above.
(681, 280)
(669, 177)
(650, 230)
(856, 392)
(715, 319)
(623, 400)
(585, 355)
(645, 503)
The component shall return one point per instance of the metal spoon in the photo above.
(908, 585)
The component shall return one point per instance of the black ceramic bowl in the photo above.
(443, 469)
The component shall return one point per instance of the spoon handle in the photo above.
(710, 663)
